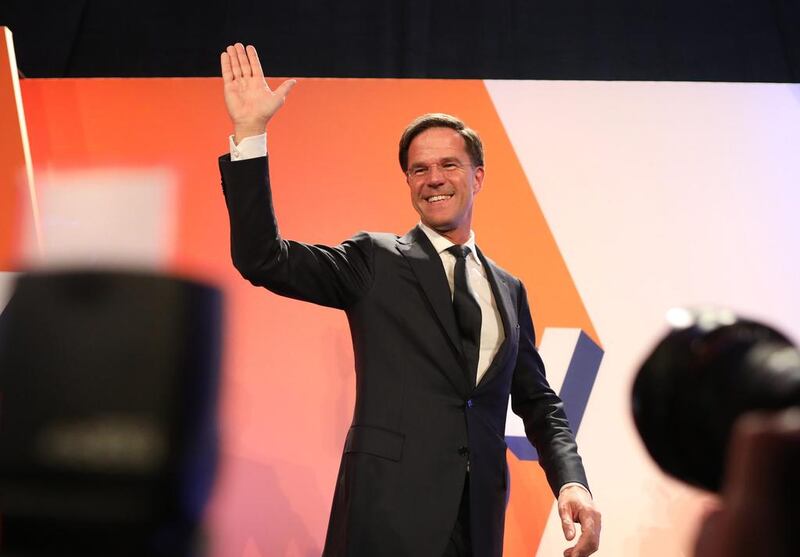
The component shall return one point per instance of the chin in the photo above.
(439, 226)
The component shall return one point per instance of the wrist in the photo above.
(571, 486)
(241, 131)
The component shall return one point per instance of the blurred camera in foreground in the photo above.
(711, 368)
(108, 429)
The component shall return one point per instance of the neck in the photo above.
(458, 235)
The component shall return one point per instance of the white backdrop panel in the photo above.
(658, 194)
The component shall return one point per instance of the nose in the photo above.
(435, 174)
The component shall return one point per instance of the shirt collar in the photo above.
(440, 243)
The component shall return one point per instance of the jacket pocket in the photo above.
(375, 441)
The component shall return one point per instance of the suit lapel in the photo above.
(502, 297)
(427, 267)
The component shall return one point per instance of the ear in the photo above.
(477, 182)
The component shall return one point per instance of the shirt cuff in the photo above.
(570, 484)
(249, 148)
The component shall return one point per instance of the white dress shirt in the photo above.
(248, 148)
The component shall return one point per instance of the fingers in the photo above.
(587, 544)
(239, 61)
(284, 88)
(589, 540)
(244, 63)
(225, 64)
(567, 524)
(590, 533)
(255, 63)
(233, 58)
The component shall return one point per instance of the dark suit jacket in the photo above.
(418, 422)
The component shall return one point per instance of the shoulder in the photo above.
(385, 240)
(382, 237)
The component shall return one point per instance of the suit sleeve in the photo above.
(334, 276)
(541, 410)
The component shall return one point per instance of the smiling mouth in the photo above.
(438, 198)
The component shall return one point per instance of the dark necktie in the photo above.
(467, 310)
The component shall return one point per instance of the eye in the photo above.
(419, 171)
(452, 165)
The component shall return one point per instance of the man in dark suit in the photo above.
(441, 337)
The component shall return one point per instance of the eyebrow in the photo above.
(440, 161)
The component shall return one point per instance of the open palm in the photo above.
(250, 101)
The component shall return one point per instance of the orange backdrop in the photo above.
(288, 383)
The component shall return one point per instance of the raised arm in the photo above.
(334, 276)
(248, 98)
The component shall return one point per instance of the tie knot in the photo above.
(460, 252)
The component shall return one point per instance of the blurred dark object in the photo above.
(711, 368)
(108, 432)
(757, 512)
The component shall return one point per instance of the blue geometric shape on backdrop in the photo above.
(575, 391)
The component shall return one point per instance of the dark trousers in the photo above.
(460, 544)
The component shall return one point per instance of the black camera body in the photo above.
(711, 368)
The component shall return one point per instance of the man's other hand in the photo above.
(575, 505)
(250, 101)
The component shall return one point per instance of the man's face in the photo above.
(443, 182)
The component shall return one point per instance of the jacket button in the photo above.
(462, 450)
(469, 403)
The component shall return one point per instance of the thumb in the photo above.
(567, 524)
(284, 88)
